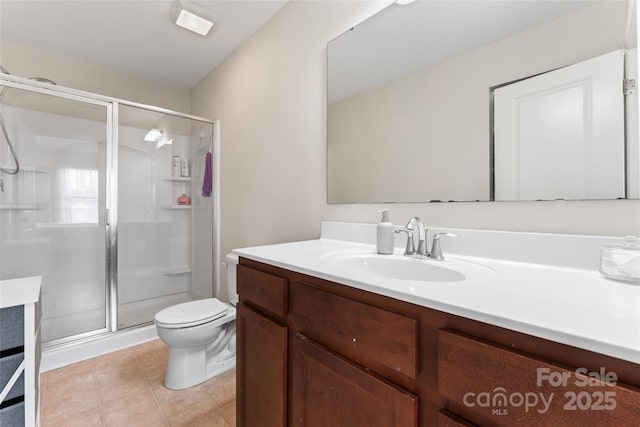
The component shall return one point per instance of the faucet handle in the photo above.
(410, 248)
(437, 236)
(436, 247)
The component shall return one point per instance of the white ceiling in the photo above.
(136, 36)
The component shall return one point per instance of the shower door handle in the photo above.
(107, 220)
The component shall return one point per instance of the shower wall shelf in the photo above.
(144, 221)
(155, 270)
(176, 178)
(23, 207)
(143, 271)
(177, 270)
(32, 170)
(179, 207)
(67, 225)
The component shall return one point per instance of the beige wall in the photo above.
(410, 130)
(270, 96)
(27, 61)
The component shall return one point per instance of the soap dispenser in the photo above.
(384, 234)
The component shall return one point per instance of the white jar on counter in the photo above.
(621, 261)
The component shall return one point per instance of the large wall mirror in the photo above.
(484, 100)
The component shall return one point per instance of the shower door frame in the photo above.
(111, 193)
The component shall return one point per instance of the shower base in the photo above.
(129, 316)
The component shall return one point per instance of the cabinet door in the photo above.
(262, 370)
(493, 385)
(332, 391)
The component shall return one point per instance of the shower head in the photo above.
(4, 128)
(43, 80)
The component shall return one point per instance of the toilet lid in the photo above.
(191, 313)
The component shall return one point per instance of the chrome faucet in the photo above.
(422, 236)
(421, 251)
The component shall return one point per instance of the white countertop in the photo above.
(573, 306)
(24, 290)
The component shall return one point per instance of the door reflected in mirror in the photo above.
(417, 92)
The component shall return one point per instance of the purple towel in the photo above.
(206, 183)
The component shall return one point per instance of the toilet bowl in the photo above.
(201, 336)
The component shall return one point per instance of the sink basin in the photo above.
(398, 267)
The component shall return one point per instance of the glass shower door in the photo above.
(162, 261)
(52, 220)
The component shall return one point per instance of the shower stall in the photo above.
(92, 201)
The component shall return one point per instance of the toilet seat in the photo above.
(192, 313)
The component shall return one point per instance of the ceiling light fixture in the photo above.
(190, 19)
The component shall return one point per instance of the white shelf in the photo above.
(142, 271)
(144, 221)
(32, 170)
(178, 207)
(177, 270)
(21, 291)
(22, 207)
(67, 225)
(176, 178)
(154, 271)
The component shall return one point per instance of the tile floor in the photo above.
(125, 389)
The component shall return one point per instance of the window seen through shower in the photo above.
(78, 196)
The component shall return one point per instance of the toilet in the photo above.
(201, 336)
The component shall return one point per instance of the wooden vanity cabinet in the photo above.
(317, 353)
(261, 350)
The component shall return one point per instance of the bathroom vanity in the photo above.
(20, 315)
(321, 343)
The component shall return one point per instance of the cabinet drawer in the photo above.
(370, 336)
(505, 388)
(263, 290)
(11, 327)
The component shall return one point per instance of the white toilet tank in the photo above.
(231, 263)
